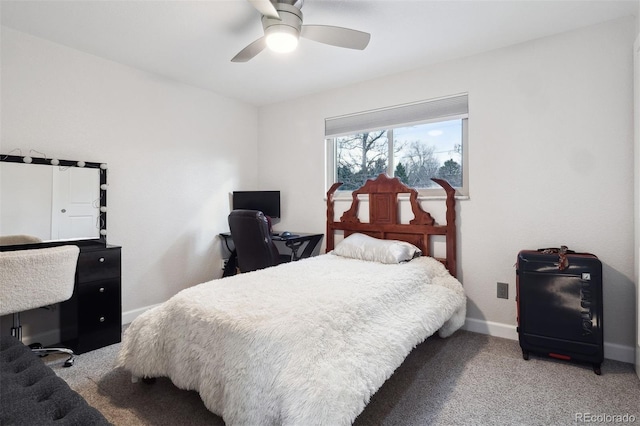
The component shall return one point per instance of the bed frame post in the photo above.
(330, 240)
(451, 237)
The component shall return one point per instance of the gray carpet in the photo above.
(466, 379)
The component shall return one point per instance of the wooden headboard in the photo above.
(384, 220)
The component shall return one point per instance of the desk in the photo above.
(293, 242)
(296, 240)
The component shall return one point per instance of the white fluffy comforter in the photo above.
(304, 343)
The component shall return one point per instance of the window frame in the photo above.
(461, 192)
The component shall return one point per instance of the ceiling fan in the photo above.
(282, 24)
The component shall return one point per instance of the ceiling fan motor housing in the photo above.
(290, 20)
(282, 25)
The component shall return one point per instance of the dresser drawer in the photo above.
(99, 306)
(99, 265)
(98, 298)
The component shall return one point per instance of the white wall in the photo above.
(174, 153)
(550, 161)
(550, 157)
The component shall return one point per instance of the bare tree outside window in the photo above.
(360, 157)
(421, 165)
(414, 154)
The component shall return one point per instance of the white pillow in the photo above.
(364, 247)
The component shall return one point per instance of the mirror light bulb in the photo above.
(81, 164)
(27, 159)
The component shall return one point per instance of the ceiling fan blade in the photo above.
(266, 8)
(336, 36)
(250, 51)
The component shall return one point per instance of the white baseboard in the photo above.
(47, 338)
(619, 352)
(129, 316)
(611, 350)
(495, 329)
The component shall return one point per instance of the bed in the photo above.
(309, 342)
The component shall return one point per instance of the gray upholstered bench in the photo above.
(32, 394)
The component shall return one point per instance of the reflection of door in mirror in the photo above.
(29, 191)
(75, 203)
(25, 207)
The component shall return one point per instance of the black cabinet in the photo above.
(92, 318)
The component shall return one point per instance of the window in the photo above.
(413, 142)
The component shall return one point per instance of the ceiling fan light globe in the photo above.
(282, 40)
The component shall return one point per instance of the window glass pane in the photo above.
(360, 157)
(429, 150)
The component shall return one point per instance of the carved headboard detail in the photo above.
(384, 221)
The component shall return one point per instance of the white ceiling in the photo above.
(194, 41)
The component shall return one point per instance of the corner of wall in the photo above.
(636, 71)
(638, 18)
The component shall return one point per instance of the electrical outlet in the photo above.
(223, 263)
(503, 290)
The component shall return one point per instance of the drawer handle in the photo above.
(102, 319)
(101, 260)
(101, 290)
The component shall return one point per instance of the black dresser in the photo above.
(92, 318)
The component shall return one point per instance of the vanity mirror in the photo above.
(43, 199)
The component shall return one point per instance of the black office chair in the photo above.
(251, 237)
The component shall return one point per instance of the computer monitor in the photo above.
(268, 202)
